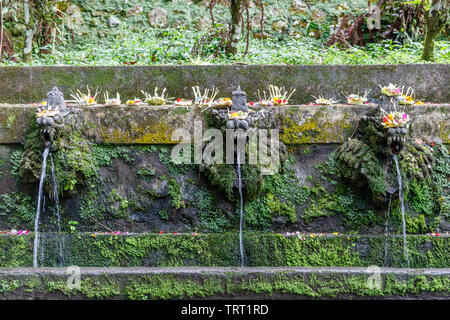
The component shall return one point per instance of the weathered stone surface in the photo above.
(232, 282)
(30, 84)
(134, 11)
(159, 188)
(155, 125)
(157, 17)
(113, 21)
(298, 7)
(279, 26)
(14, 123)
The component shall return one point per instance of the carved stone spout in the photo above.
(54, 114)
(239, 116)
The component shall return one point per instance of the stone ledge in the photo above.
(26, 84)
(154, 125)
(219, 283)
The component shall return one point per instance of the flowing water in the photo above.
(402, 208)
(38, 210)
(386, 230)
(56, 200)
(241, 244)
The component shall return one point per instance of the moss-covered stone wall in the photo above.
(302, 124)
(214, 250)
(30, 84)
(204, 283)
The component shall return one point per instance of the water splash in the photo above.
(38, 210)
(241, 221)
(386, 230)
(58, 213)
(402, 208)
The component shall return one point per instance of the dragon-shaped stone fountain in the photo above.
(367, 157)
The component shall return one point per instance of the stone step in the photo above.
(220, 283)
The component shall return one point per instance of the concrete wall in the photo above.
(228, 283)
(155, 125)
(30, 84)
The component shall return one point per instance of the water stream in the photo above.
(38, 210)
(241, 222)
(402, 208)
(386, 230)
(56, 200)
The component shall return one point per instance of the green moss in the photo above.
(223, 176)
(16, 251)
(180, 111)
(275, 206)
(222, 249)
(187, 286)
(18, 209)
(145, 172)
(15, 158)
(104, 154)
(212, 219)
(175, 194)
(170, 287)
(420, 198)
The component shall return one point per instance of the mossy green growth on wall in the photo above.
(74, 163)
(426, 199)
(278, 195)
(18, 209)
(271, 250)
(197, 285)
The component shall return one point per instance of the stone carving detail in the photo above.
(55, 115)
(239, 99)
(55, 99)
(367, 157)
(240, 117)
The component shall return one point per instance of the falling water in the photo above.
(56, 199)
(402, 208)
(386, 231)
(38, 210)
(241, 244)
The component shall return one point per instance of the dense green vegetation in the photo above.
(173, 47)
(80, 33)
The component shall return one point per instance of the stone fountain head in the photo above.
(367, 158)
(239, 116)
(54, 115)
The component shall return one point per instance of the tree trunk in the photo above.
(235, 9)
(1, 29)
(436, 19)
(28, 43)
